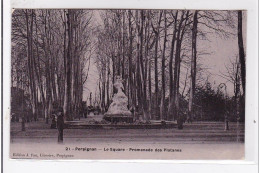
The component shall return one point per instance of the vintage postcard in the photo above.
(128, 84)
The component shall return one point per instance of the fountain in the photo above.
(118, 115)
(118, 111)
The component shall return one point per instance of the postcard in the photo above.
(128, 84)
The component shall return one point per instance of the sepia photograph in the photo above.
(128, 84)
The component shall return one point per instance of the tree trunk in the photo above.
(108, 78)
(157, 34)
(67, 99)
(130, 98)
(162, 106)
(29, 29)
(170, 114)
(241, 50)
(150, 90)
(193, 65)
(175, 96)
(237, 91)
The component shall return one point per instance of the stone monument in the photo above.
(118, 111)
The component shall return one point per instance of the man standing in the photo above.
(60, 125)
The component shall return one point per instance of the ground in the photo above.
(198, 137)
(198, 132)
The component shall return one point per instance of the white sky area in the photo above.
(222, 50)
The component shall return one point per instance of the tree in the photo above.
(162, 106)
(233, 75)
(171, 102)
(46, 58)
(241, 50)
(193, 64)
(68, 65)
(157, 34)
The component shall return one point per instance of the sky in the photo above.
(222, 50)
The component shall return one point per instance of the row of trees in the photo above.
(213, 105)
(50, 53)
(156, 51)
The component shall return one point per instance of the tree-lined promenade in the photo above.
(156, 53)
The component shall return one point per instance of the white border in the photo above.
(251, 140)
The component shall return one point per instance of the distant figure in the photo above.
(132, 110)
(226, 120)
(163, 123)
(86, 112)
(60, 125)
(189, 119)
(13, 117)
(53, 120)
(16, 117)
(27, 114)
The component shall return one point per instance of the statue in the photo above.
(118, 111)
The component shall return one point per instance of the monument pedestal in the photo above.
(118, 118)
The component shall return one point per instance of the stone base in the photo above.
(118, 118)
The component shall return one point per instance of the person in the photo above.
(27, 114)
(13, 115)
(60, 125)
(53, 121)
(226, 120)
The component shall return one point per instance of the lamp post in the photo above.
(225, 106)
